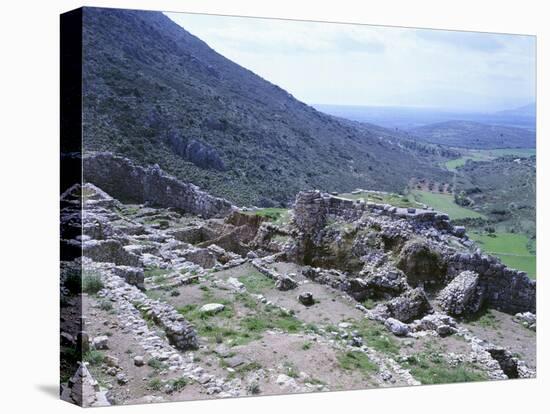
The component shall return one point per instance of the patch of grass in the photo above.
(255, 282)
(306, 346)
(511, 248)
(251, 366)
(91, 282)
(485, 318)
(178, 384)
(432, 369)
(356, 360)
(276, 215)
(156, 364)
(445, 203)
(94, 357)
(376, 337)
(154, 384)
(155, 271)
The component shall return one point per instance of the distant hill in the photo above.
(157, 94)
(529, 110)
(405, 118)
(467, 134)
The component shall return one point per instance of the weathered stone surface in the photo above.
(128, 182)
(82, 389)
(306, 299)
(110, 251)
(138, 361)
(285, 282)
(201, 256)
(527, 319)
(463, 295)
(100, 342)
(397, 327)
(422, 264)
(212, 308)
(411, 305)
(132, 275)
(505, 289)
(443, 324)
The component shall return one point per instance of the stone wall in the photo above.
(505, 289)
(313, 208)
(132, 183)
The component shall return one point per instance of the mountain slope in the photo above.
(157, 94)
(466, 134)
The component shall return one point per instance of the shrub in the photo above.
(91, 283)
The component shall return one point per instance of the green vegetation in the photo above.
(511, 248)
(488, 155)
(94, 357)
(178, 384)
(446, 204)
(306, 346)
(382, 198)
(73, 279)
(255, 282)
(356, 360)
(156, 364)
(431, 368)
(276, 215)
(91, 282)
(377, 337)
(154, 384)
(236, 329)
(485, 318)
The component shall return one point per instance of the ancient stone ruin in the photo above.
(184, 289)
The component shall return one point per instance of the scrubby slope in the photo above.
(157, 94)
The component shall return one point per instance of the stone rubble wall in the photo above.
(128, 182)
(313, 208)
(505, 289)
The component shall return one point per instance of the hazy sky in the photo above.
(328, 63)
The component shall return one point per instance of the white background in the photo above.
(29, 203)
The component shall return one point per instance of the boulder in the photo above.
(138, 361)
(212, 308)
(527, 319)
(132, 275)
(413, 304)
(100, 342)
(462, 295)
(397, 327)
(443, 324)
(306, 298)
(285, 282)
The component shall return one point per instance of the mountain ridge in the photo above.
(157, 94)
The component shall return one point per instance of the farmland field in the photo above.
(445, 203)
(511, 248)
(487, 155)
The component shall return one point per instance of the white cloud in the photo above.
(375, 65)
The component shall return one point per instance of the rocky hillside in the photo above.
(157, 94)
(467, 134)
